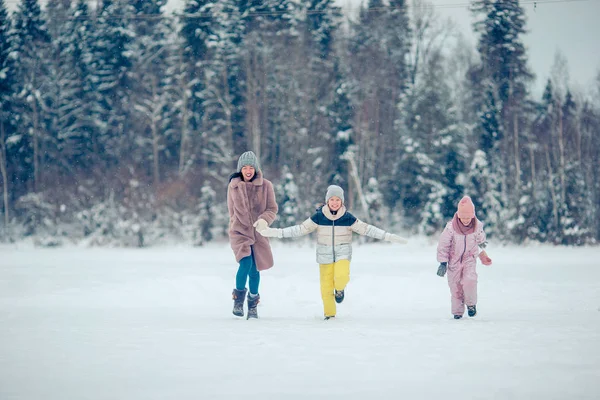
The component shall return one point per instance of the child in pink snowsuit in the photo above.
(457, 251)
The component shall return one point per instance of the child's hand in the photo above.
(485, 259)
(390, 237)
(442, 269)
(260, 224)
(271, 232)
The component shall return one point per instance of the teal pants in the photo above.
(247, 272)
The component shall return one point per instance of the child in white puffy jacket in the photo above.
(334, 226)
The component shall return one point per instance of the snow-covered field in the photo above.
(79, 323)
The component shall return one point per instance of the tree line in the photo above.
(121, 123)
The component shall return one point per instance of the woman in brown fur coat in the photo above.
(251, 203)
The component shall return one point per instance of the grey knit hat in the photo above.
(334, 190)
(248, 158)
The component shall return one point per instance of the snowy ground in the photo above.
(156, 324)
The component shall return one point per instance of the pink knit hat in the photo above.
(466, 208)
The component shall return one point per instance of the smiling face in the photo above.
(248, 172)
(334, 203)
(465, 221)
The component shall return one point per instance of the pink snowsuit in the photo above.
(460, 252)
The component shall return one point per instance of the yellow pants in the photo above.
(333, 276)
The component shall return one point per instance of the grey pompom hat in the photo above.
(334, 190)
(248, 158)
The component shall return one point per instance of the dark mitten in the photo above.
(442, 269)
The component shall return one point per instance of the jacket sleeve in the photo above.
(444, 244)
(304, 228)
(480, 236)
(229, 202)
(271, 208)
(362, 228)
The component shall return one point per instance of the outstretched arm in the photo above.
(482, 243)
(304, 228)
(362, 228)
(480, 236)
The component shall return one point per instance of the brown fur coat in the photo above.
(247, 202)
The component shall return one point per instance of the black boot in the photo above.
(339, 296)
(472, 310)
(457, 316)
(252, 303)
(238, 302)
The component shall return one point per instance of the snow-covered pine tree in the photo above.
(30, 45)
(275, 93)
(281, 118)
(70, 127)
(286, 193)
(575, 216)
(7, 91)
(208, 214)
(576, 224)
(502, 79)
(152, 76)
(323, 18)
(482, 185)
(412, 166)
(378, 213)
(195, 31)
(436, 154)
(530, 223)
(379, 45)
(223, 129)
(318, 84)
(112, 70)
(106, 223)
(490, 174)
(432, 217)
(39, 219)
(501, 25)
(590, 126)
(176, 126)
(341, 114)
(542, 211)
